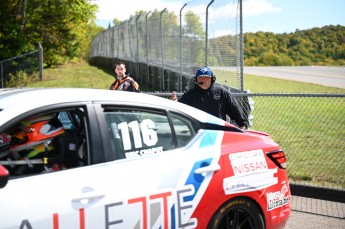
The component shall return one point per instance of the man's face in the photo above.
(204, 82)
(120, 70)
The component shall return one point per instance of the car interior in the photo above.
(44, 143)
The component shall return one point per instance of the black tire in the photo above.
(237, 213)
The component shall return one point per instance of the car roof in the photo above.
(26, 99)
(46, 96)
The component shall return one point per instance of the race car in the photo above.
(92, 158)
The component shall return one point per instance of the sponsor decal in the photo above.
(174, 211)
(277, 199)
(249, 182)
(250, 173)
(144, 152)
(248, 162)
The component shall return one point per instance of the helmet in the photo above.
(35, 136)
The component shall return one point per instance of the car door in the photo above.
(72, 197)
(161, 167)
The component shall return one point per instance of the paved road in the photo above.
(310, 213)
(326, 76)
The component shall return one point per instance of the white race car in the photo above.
(89, 158)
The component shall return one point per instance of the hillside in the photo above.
(318, 46)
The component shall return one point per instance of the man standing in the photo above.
(213, 99)
(123, 82)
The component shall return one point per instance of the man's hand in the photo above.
(173, 96)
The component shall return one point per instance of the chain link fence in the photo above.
(310, 129)
(161, 43)
(29, 62)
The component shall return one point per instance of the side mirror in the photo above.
(4, 176)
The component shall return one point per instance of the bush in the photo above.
(22, 79)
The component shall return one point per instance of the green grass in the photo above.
(78, 75)
(309, 130)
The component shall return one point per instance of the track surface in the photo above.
(326, 76)
(308, 213)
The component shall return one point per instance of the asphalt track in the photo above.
(326, 76)
(321, 75)
(308, 213)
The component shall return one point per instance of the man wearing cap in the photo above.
(213, 99)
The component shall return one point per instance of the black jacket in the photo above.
(217, 101)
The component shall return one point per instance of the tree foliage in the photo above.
(63, 27)
(317, 46)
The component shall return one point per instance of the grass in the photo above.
(310, 130)
(78, 75)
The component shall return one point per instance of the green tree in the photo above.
(60, 26)
(316, 46)
(116, 22)
(193, 39)
(193, 25)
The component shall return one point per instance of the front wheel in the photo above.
(237, 213)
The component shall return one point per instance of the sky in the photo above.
(277, 16)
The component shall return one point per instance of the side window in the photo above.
(45, 142)
(138, 133)
(183, 129)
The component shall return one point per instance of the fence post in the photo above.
(162, 46)
(40, 60)
(206, 39)
(137, 57)
(181, 56)
(2, 74)
(147, 50)
(241, 48)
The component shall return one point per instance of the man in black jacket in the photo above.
(213, 99)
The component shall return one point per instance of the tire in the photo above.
(237, 213)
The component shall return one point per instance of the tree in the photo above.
(193, 25)
(60, 26)
(116, 22)
(193, 39)
(316, 46)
